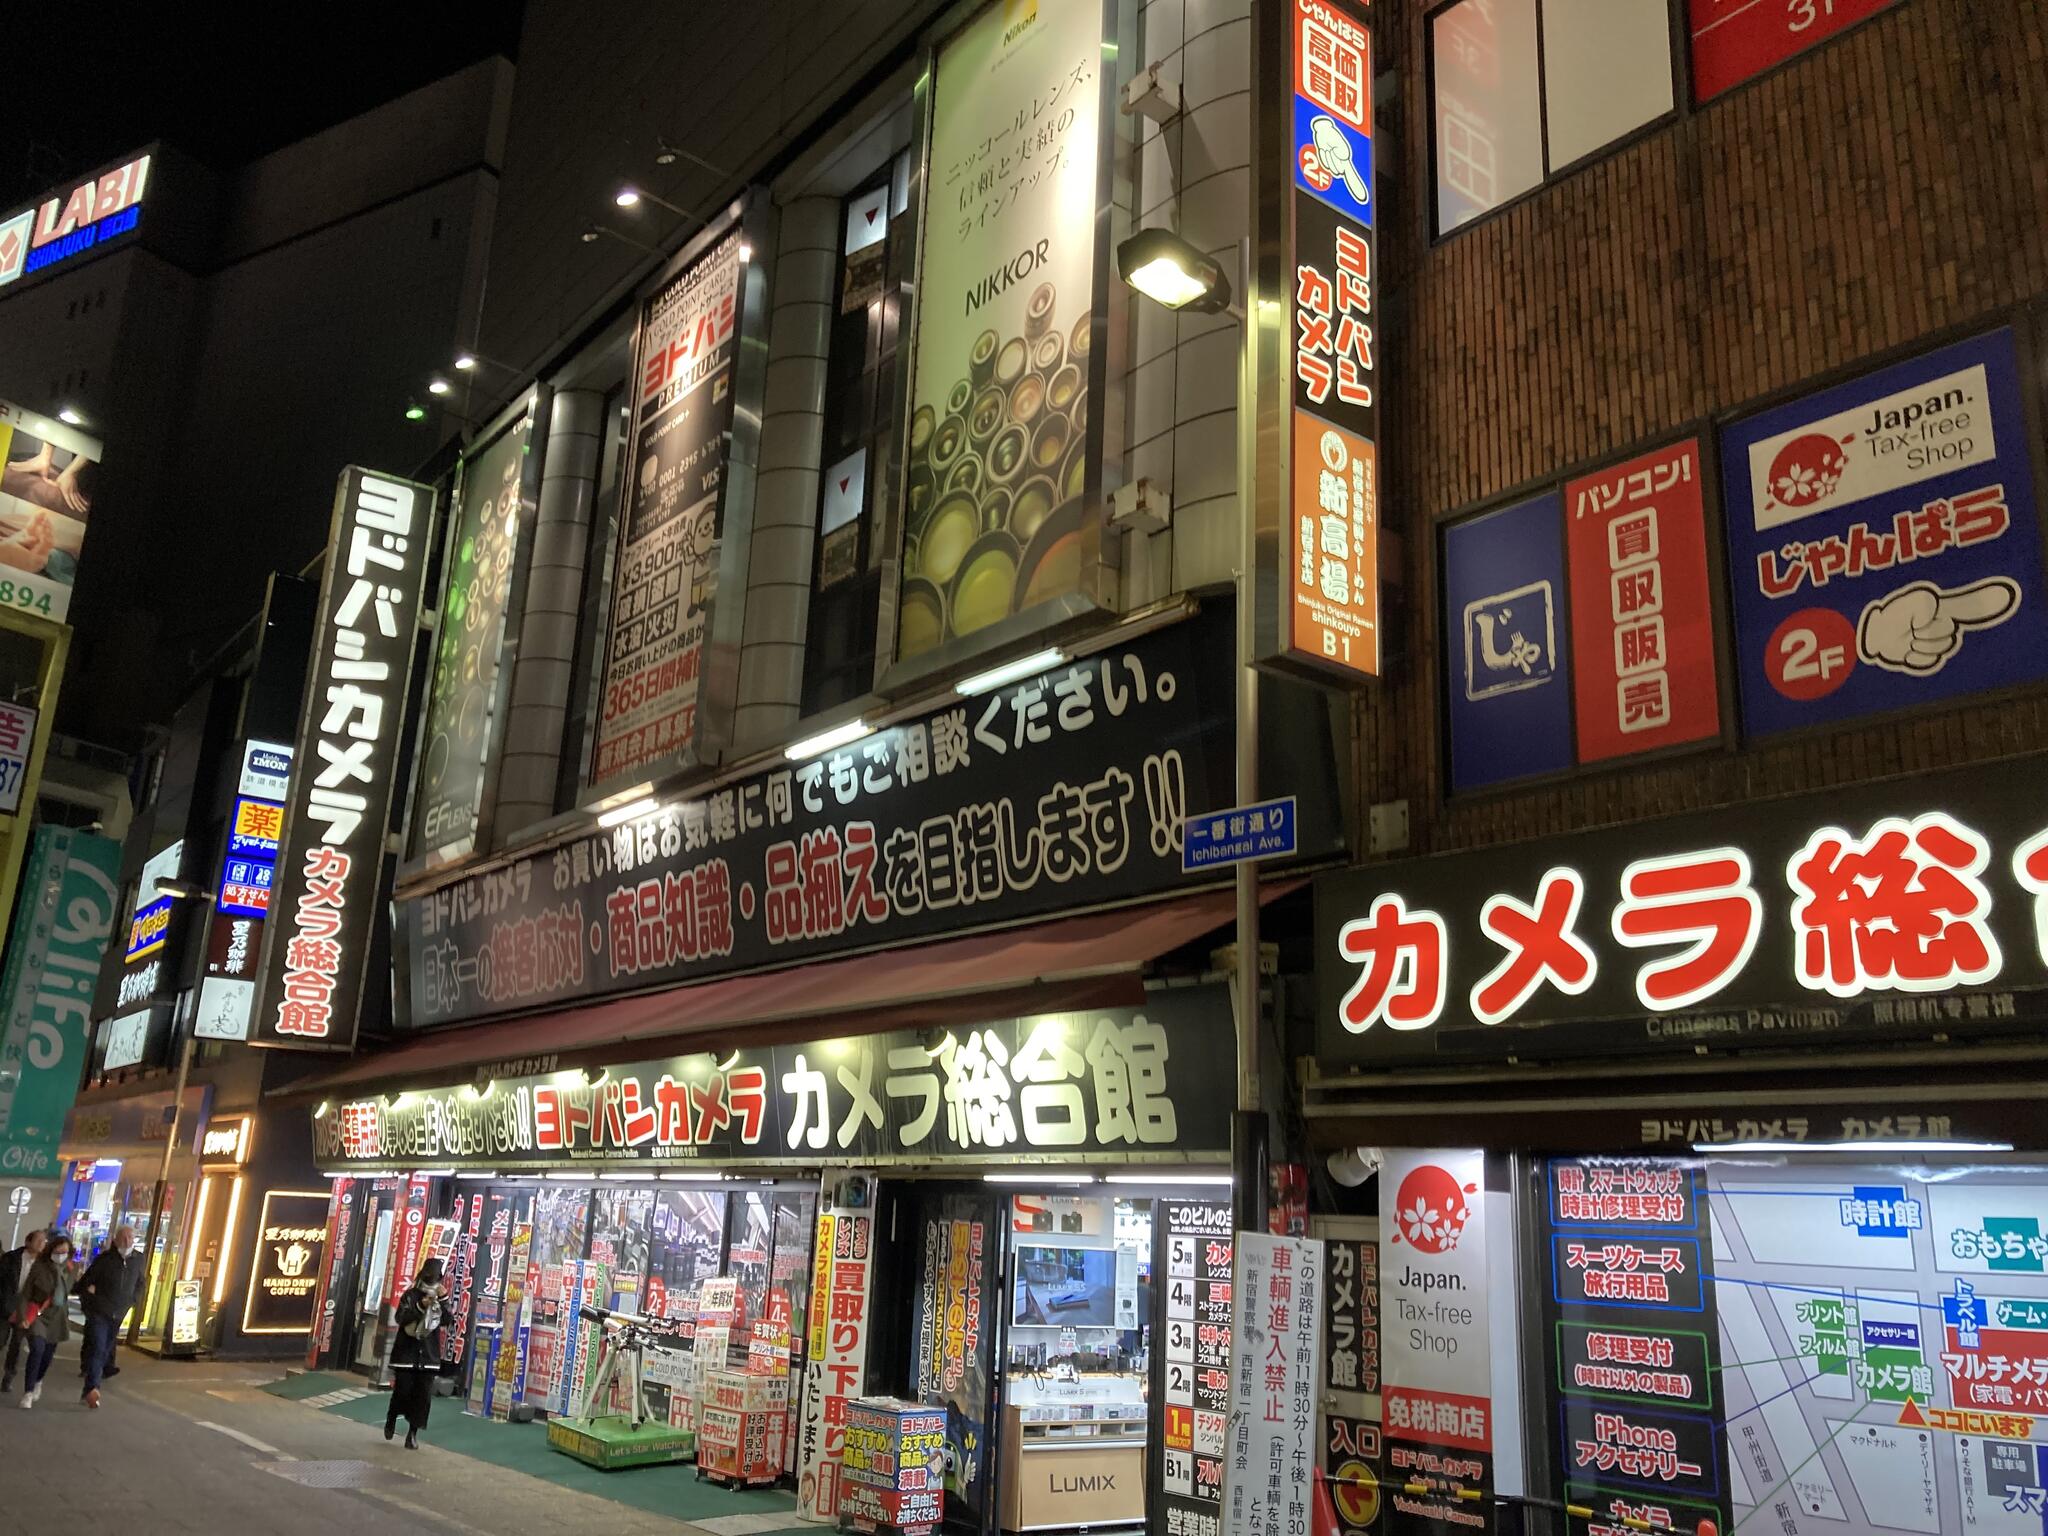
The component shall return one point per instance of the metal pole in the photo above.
(156, 1199)
(1248, 1127)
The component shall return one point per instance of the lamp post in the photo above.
(1165, 268)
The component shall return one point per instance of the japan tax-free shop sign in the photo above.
(324, 901)
(1884, 542)
(1878, 911)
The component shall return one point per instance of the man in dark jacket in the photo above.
(106, 1291)
(14, 1267)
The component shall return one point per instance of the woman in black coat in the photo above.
(416, 1354)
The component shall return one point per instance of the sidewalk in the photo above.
(674, 1491)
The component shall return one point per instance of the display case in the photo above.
(1071, 1465)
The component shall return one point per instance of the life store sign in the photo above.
(330, 847)
(1885, 543)
(1086, 1084)
(1872, 912)
(1065, 789)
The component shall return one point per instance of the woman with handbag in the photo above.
(416, 1354)
(43, 1312)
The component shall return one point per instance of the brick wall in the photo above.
(1886, 187)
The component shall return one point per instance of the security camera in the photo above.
(1151, 96)
(1354, 1165)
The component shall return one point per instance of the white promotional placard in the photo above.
(224, 1007)
(266, 770)
(836, 1370)
(1921, 433)
(1275, 1350)
(1435, 1346)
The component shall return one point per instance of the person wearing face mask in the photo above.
(416, 1354)
(14, 1267)
(42, 1312)
(106, 1291)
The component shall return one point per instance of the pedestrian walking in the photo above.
(416, 1354)
(14, 1267)
(43, 1311)
(105, 1292)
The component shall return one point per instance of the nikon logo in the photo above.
(1018, 18)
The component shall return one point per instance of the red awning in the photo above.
(1092, 961)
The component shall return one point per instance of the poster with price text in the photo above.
(674, 498)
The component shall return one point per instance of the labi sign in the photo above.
(1876, 911)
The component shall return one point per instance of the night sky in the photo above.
(86, 83)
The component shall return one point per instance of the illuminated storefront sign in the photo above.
(332, 841)
(1867, 911)
(266, 770)
(284, 1276)
(1066, 1084)
(226, 1141)
(66, 224)
(1331, 578)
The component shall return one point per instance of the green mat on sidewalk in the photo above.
(670, 1490)
(304, 1384)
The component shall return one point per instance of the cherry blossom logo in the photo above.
(1807, 470)
(1430, 1209)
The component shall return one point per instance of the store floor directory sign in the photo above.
(1628, 1336)
(1884, 542)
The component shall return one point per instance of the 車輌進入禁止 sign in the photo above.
(331, 844)
(1057, 791)
(1884, 542)
(1072, 1084)
(1868, 909)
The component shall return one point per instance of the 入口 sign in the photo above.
(317, 940)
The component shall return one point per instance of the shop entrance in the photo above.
(1032, 1320)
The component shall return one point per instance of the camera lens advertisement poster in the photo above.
(668, 535)
(1000, 414)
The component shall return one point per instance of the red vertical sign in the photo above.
(412, 1235)
(1643, 672)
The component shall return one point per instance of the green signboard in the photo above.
(68, 898)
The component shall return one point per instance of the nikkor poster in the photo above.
(1000, 412)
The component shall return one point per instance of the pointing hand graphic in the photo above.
(1919, 627)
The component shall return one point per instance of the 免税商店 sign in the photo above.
(316, 941)
(1866, 909)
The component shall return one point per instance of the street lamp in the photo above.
(1165, 268)
(1170, 272)
(630, 196)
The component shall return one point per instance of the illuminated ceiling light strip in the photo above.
(1010, 672)
(632, 810)
(1038, 1178)
(825, 741)
(1164, 1176)
(198, 1227)
(227, 1237)
(692, 1178)
(1902, 1144)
